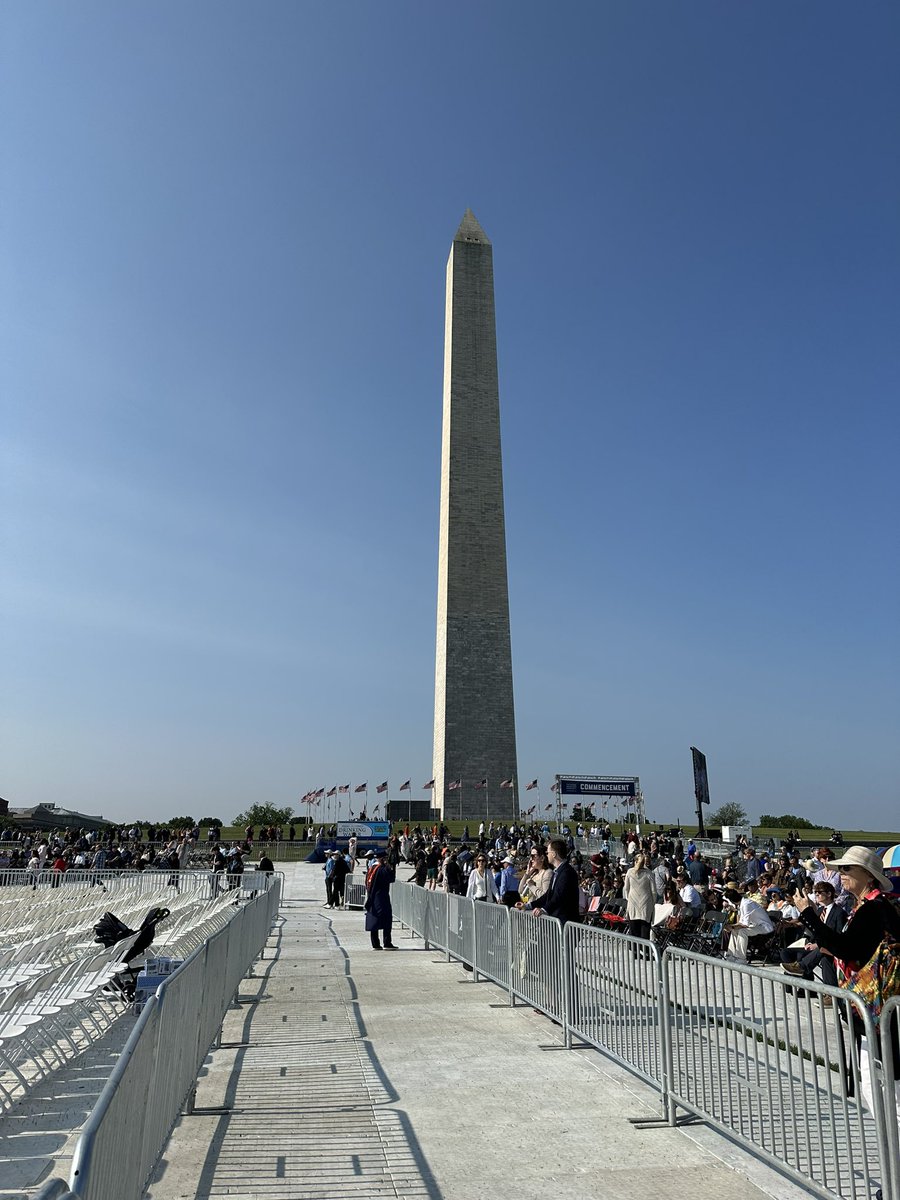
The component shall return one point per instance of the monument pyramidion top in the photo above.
(470, 231)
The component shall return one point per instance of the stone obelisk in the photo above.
(474, 719)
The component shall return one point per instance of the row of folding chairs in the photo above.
(48, 1018)
(48, 924)
(703, 934)
(52, 1009)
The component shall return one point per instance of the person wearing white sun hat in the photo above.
(874, 916)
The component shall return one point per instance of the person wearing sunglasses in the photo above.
(536, 880)
(482, 884)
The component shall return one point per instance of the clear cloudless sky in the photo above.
(224, 235)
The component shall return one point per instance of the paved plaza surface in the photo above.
(347, 1073)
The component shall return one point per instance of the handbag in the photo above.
(879, 980)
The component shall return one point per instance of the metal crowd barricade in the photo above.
(779, 1072)
(615, 994)
(889, 1045)
(110, 879)
(492, 941)
(400, 903)
(461, 929)
(126, 1133)
(416, 908)
(435, 918)
(536, 962)
(355, 892)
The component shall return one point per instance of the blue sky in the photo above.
(224, 234)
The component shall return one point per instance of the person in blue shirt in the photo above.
(751, 866)
(509, 883)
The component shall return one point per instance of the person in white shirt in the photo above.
(482, 885)
(752, 924)
(690, 895)
(777, 902)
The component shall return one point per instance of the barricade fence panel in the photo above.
(491, 923)
(889, 1038)
(176, 1063)
(417, 902)
(109, 1159)
(461, 929)
(435, 918)
(150, 880)
(400, 903)
(216, 987)
(615, 992)
(535, 969)
(779, 1071)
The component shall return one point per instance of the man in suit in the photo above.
(562, 898)
(803, 961)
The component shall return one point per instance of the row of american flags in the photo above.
(314, 796)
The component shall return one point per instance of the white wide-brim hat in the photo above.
(859, 856)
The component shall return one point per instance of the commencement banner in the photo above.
(597, 785)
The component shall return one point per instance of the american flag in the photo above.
(345, 788)
(405, 787)
(454, 786)
(531, 785)
(332, 791)
(320, 793)
(531, 810)
(481, 786)
(549, 808)
(428, 786)
(382, 787)
(554, 787)
(363, 787)
(506, 783)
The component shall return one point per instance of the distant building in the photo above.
(50, 816)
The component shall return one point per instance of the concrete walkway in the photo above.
(348, 1074)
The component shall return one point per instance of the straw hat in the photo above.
(859, 856)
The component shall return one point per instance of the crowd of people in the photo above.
(659, 883)
(164, 849)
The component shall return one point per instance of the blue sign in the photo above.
(368, 831)
(598, 787)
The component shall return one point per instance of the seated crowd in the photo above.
(661, 889)
(60, 852)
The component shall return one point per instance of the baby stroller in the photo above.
(110, 930)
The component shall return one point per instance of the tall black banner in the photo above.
(701, 780)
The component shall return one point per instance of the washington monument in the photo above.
(474, 720)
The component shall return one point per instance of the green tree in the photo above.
(729, 814)
(181, 822)
(263, 814)
(788, 821)
(210, 821)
